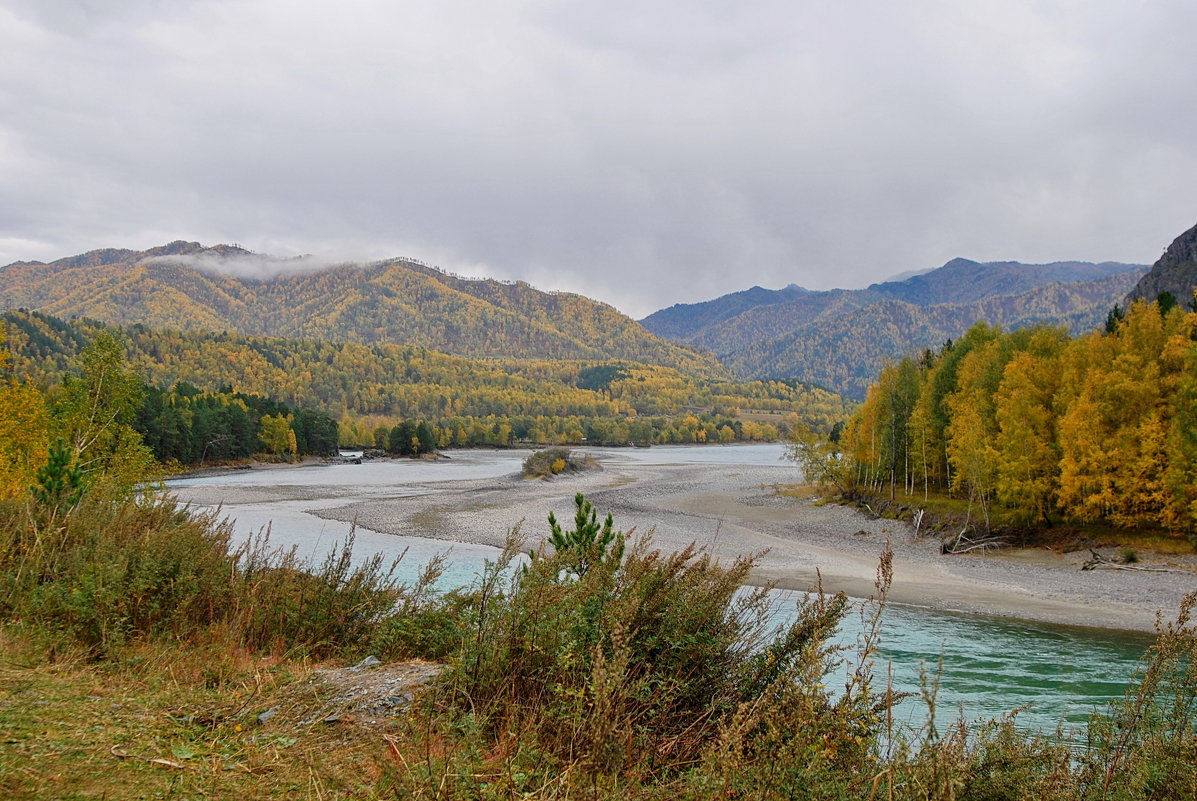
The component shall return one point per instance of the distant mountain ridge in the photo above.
(840, 338)
(396, 301)
(684, 320)
(965, 281)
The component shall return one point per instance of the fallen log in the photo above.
(984, 544)
(1101, 561)
(963, 544)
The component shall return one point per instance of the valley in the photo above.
(735, 564)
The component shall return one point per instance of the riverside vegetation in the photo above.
(1035, 429)
(146, 654)
(554, 461)
(132, 628)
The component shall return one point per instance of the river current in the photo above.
(983, 667)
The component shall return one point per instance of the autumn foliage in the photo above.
(1098, 428)
(24, 433)
(467, 401)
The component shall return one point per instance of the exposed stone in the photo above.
(367, 663)
(1175, 272)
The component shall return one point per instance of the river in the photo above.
(1057, 675)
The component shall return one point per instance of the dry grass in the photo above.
(170, 722)
(801, 492)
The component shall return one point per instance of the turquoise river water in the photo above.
(1055, 675)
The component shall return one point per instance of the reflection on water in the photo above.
(989, 666)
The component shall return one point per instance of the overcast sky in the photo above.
(643, 153)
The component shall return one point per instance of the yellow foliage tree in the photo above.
(1027, 439)
(277, 436)
(24, 437)
(1114, 439)
(1182, 447)
(973, 428)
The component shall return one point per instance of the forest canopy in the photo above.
(496, 402)
(1102, 427)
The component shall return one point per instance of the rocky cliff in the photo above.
(1175, 272)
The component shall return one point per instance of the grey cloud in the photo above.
(85, 17)
(644, 153)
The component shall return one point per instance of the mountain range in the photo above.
(837, 339)
(841, 338)
(181, 286)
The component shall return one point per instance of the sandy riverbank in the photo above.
(734, 510)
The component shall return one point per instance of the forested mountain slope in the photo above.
(966, 281)
(362, 386)
(840, 338)
(396, 301)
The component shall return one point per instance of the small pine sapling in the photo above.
(588, 542)
(60, 484)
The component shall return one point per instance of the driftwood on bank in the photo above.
(963, 544)
(1097, 560)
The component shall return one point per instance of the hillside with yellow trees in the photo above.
(495, 402)
(181, 286)
(1037, 425)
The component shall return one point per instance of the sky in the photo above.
(643, 153)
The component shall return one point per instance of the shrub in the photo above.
(635, 666)
(553, 461)
(106, 571)
(282, 602)
(1146, 745)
